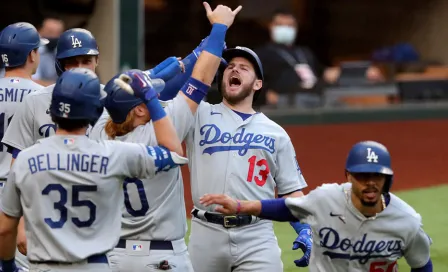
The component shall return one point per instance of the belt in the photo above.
(227, 221)
(100, 258)
(153, 245)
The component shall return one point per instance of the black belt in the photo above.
(100, 258)
(227, 221)
(154, 245)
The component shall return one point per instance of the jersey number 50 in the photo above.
(76, 202)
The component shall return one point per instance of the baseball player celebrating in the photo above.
(18, 49)
(234, 150)
(358, 225)
(76, 48)
(32, 121)
(154, 220)
(73, 212)
(19, 45)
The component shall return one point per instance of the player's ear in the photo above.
(97, 61)
(33, 55)
(140, 110)
(257, 85)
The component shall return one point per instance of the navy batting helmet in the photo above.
(119, 103)
(16, 43)
(370, 157)
(244, 52)
(74, 42)
(77, 95)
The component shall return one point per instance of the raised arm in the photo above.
(138, 83)
(204, 71)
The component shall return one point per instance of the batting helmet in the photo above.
(74, 42)
(119, 103)
(77, 95)
(370, 157)
(246, 53)
(16, 43)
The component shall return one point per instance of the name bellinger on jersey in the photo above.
(73, 162)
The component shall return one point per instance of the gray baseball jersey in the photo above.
(32, 120)
(345, 240)
(13, 90)
(154, 209)
(69, 190)
(245, 159)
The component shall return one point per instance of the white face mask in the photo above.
(284, 34)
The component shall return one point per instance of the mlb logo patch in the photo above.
(69, 141)
(14, 80)
(137, 247)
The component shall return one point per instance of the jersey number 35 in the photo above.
(76, 202)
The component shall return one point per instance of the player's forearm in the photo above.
(204, 71)
(7, 243)
(166, 135)
(272, 209)
(210, 58)
(173, 85)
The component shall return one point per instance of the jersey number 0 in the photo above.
(76, 202)
(141, 195)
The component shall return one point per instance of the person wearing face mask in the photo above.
(292, 72)
(51, 28)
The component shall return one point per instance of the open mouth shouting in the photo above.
(234, 82)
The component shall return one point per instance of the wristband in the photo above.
(15, 152)
(195, 90)
(215, 43)
(155, 109)
(9, 265)
(238, 208)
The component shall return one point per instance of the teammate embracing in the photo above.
(19, 53)
(358, 225)
(68, 187)
(154, 220)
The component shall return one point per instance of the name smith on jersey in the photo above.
(241, 141)
(69, 162)
(13, 94)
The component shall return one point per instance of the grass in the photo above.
(429, 202)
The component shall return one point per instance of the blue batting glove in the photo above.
(305, 242)
(140, 84)
(166, 70)
(164, 159)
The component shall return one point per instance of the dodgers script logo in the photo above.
(47, 130)
(362, 250)
(217, 141)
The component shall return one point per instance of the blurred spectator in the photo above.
(51, 28)
(290, 70)
(293, 75)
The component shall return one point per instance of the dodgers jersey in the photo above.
(245, 159)
(154, 209)
(13, 90)
(345, 240)
(69, 190)
(32, 120)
